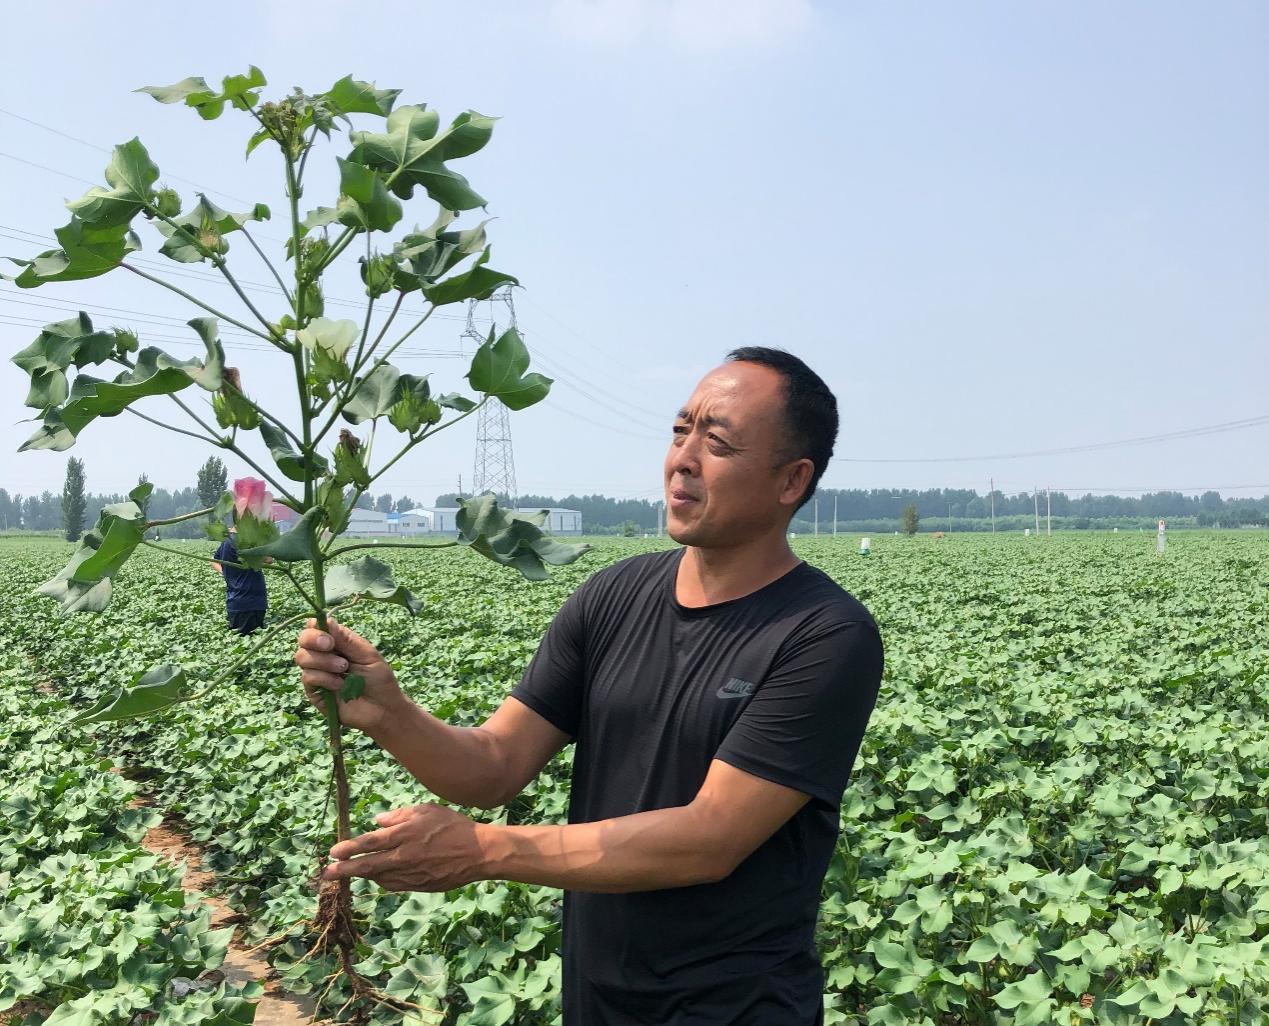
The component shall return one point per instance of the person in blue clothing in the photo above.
(246, 600)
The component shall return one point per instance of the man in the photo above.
(717, 695)
(246, 600)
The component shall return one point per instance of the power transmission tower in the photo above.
(495, 460)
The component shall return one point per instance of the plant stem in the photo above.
(260, 643)
(340, 402)
(334, 730)
(269, 264)
(177, 520)
(208, 559)
(265, 414)
(169, 427)
(199, 303)
(219, 262)
(300, 588)
(236, 450)
(425, 435)
(389, 545)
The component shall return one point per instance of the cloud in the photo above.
(689, 26)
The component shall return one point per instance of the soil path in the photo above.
(277, 1007)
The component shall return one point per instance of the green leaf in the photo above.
(424, 255)
(354, 687)
(149, 693)
(131, 174)
(369, 578)
(84, 584)
(1030, 989)
(479, 282)
(375, 394)
(492, 1005)
(240, 90)
(87, 252)
(498, 369)
(511, 539)
(352, 96)
(190, 237)
(293, 546)
(411, 153)
(365, 201)
(141, 493)
(58, 345)
(155, 373)
(292, 464)
(195, 92)
(330, 497)
(454, 401)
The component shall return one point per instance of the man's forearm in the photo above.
(460, 764)
(643, 852)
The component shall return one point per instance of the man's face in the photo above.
(725, 479)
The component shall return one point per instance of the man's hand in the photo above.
(325, 658)
(420, 848)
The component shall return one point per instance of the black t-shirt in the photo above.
(244, 589)
(780, 684)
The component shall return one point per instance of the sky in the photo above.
(993, 228)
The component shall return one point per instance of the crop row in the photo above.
(1058, 814)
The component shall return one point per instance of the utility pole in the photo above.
(460, 486)
(949, 518)
(1035, 494)
(992, 486)
(817, 516)
(660, 506)
(1048, 511)
(834, 515)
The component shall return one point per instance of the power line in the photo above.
(1210, 429)
(105, 149)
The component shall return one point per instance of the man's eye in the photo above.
(680, 429)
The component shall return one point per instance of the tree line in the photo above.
(875, 509)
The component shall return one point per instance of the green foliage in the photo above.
(74, 502)
(910, 520)
(1060, 793)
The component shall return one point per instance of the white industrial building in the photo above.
(367, 521)
(558, 521)
(425, 521)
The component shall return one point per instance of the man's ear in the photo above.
(797, 476)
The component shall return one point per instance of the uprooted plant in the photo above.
(340, 370)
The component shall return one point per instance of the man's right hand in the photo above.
(325, 658)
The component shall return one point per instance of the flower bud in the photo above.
(378, 273)
(168, 202)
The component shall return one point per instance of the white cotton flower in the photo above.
(332, 337)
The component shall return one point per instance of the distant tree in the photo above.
(405, 504)
(74, 502)
(364, 501)
(630, 529)
(384, 503)
(213, 479)
(910, 519)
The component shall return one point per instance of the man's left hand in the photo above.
(420, 848)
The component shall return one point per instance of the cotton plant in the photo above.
(347, 390)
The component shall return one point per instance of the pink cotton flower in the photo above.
(250, 497)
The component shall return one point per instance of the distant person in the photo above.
(717, 694)
(1162, 543)
(246, 600)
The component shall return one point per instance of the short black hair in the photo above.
(810, 409)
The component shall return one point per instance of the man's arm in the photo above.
(483, 766)
(430, 848)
